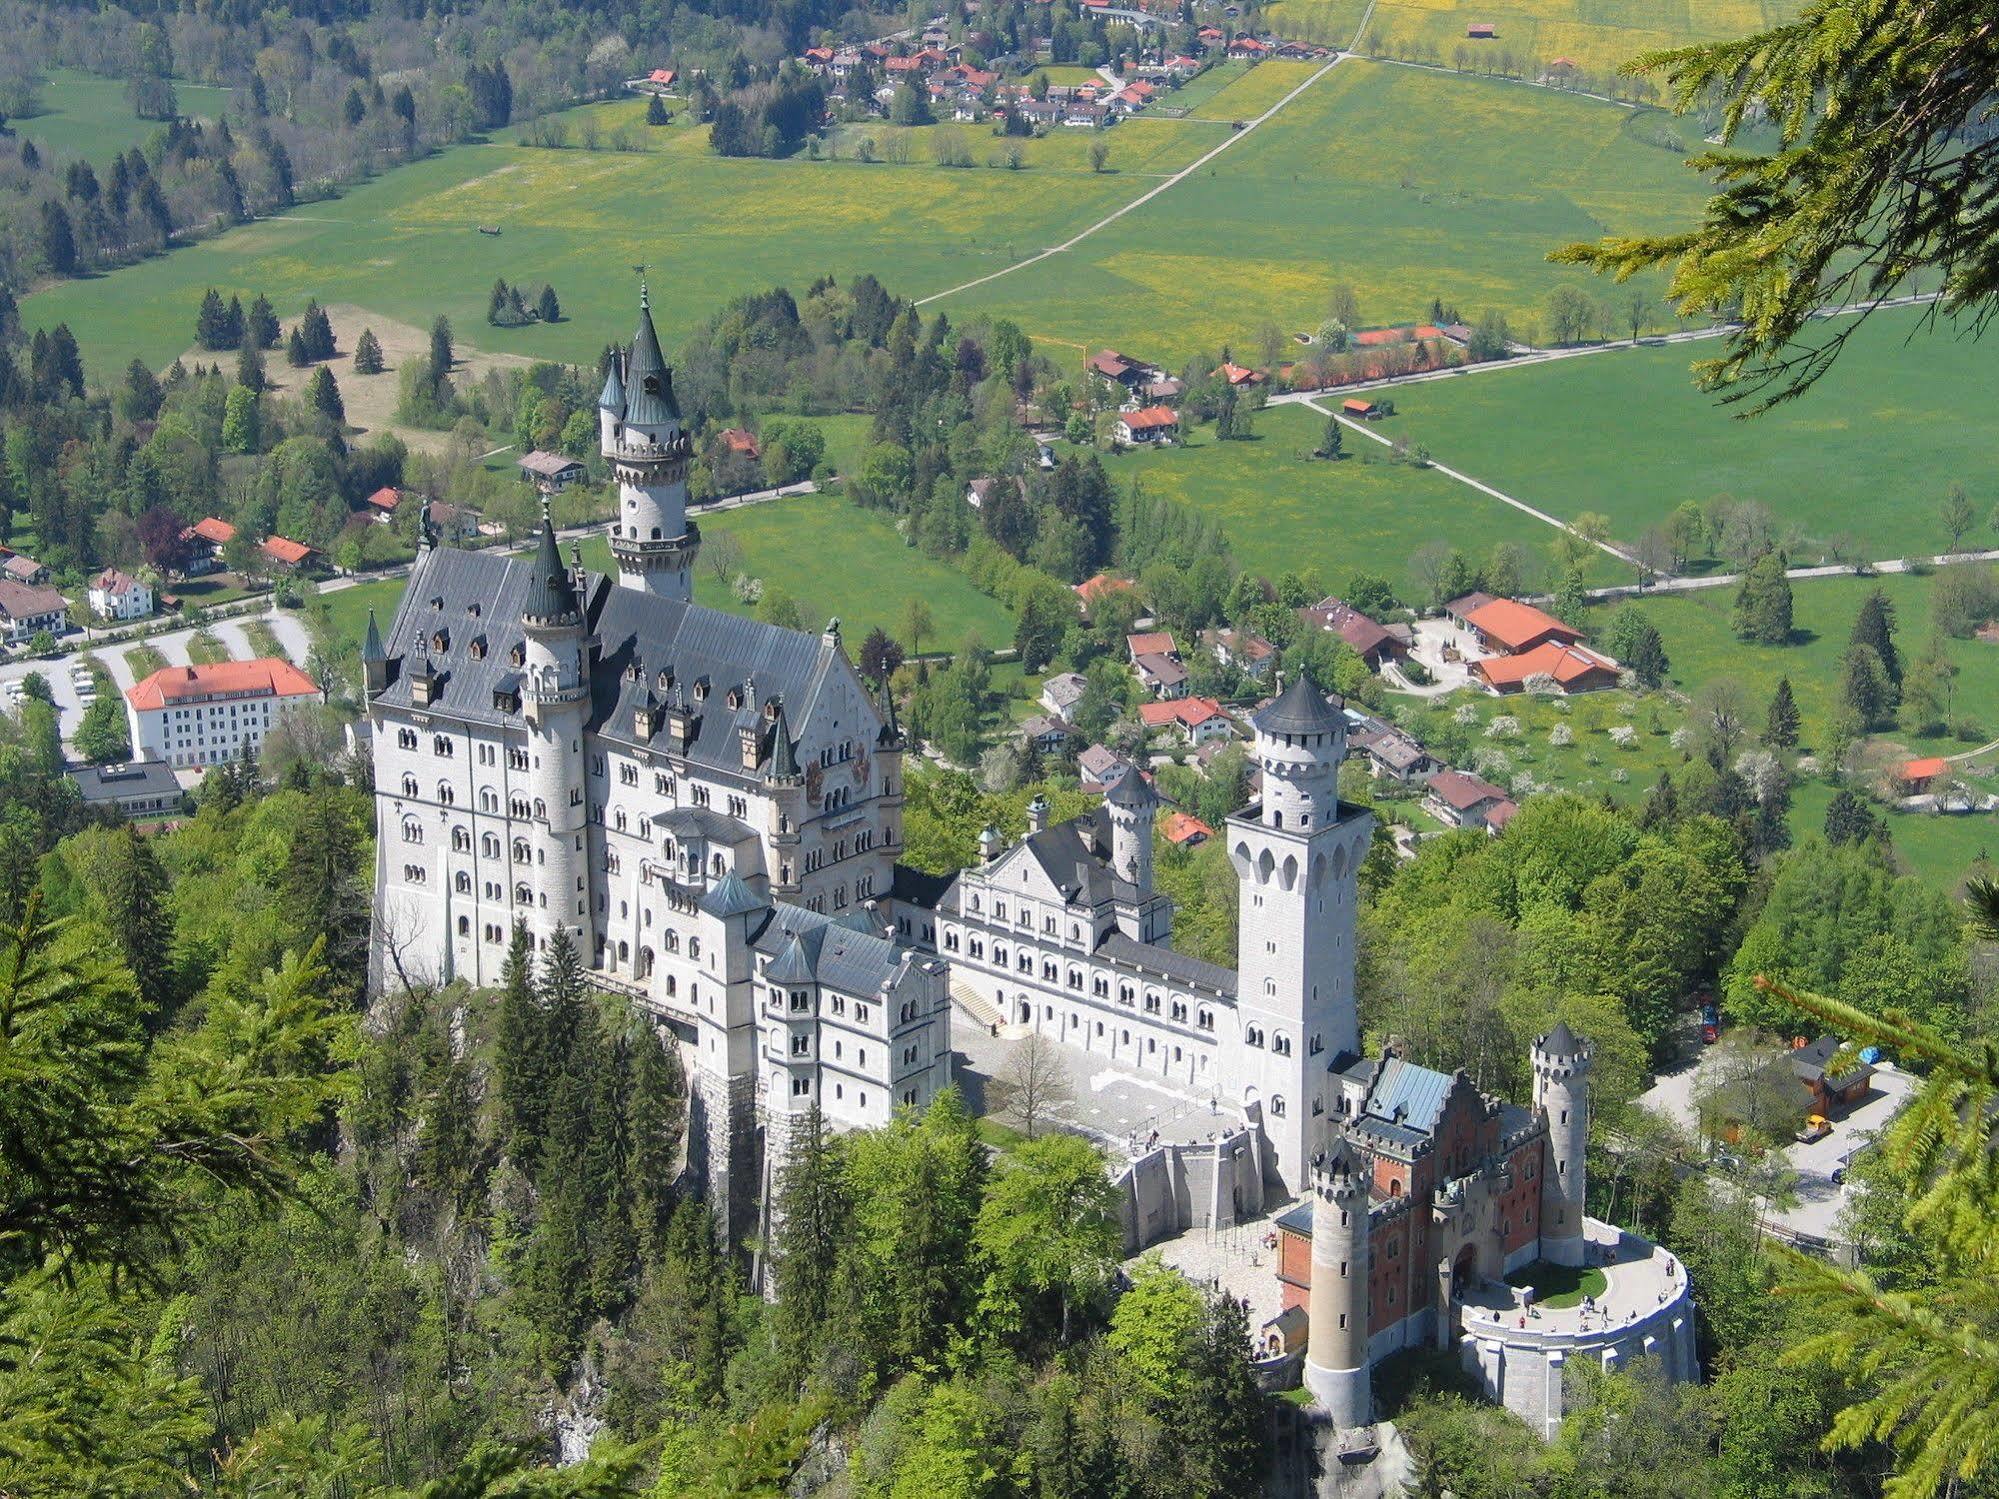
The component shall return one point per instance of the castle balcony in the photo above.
(665, 549)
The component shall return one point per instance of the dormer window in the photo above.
(518, 655)
(735, 697)
(665, 680)
(473, 610)
(478, 647)
(650, 384)
(701, 690)
(440, 641)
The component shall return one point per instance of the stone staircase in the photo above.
(976, 1007)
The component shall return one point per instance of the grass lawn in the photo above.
(406, 245)
(1325, 23)
(204, 649)
(1463, 187)
(264, 640)
(207, 592)
(830, 555)
(1140, 147)
(142, 661)
(1597, 35)
(87, 116)
(1068, 76)
(1197, 91)
(1869, 452)
(1252, 93)
(1283, 509)
(1557, 1286)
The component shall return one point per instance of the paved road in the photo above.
(1143, 198)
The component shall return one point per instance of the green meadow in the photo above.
(831, 556)
(408, 243)
(1868, 453)
(1325, 23)
(1404, 184)
(84, 115)
(1596, 35)
(1283, 509)
(1251, 93)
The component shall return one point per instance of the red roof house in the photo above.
(284, 551)
(1508, 625)
(1917, 774)
(1572, 668)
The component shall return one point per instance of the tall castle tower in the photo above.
(555, 693)
(1336, 1354)
(638, 421)
(1297, 853)
(1561, 1088)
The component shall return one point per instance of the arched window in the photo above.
(1277, 1106)
(465, 926)
(1281, 1044)
(489, 845)
(540, 807)
(523, 896)
(461, 840)
(412, 830)
(445, 794)
(409, 786)
(489, 799)
(645, 966)
(521, 855)
(1253, 1036)
(462, 883)
(1206, 1019)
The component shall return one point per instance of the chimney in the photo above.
(989, 844)
(1037, 814)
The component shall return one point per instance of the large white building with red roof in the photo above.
(209, 715)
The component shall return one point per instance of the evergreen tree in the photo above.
(137, 911)
(496, 305)
(318, 330)
(1218, 1421)
(1864, 686)
(1874, 627)
(322, 393)
(261, 326)
(656, 111)
(1333, 441)
(1763, 602)
(320, 889)
(521, 1063)
(368, 354)
(546, 307)
(211, 323)
(250, 368)
(233, 324)
(1780, 728)
(655, 1104)
(140, 400)
(813, 1218)
(296, 353)
(1662, 804)
(441, 359)
(1847, 819)
(58, 238)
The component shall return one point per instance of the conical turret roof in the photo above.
(371, 647)
(649, 398)
(613, 398)
(783, 758)
(1561, 1041)
(1300, 709)
(1131, 790)
(549, 595)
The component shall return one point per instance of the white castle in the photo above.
(709, 807)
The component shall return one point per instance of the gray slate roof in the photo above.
(1169, 964)
(648, 382)
(1408, 1095)
(695, 644)
(1300, 709)
(838, 956)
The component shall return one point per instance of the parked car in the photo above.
(1817, 1127)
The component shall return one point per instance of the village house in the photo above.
(1184, 830)
(1392, 755)
(1198, 719)
(1569, 668)
(1461, 800)
(18, 567)
(1118, 369)
(1157, 661)
(1165, 391)
(1062, 692)
(1242, 650)
(1238, 377)
(1360, 408)
(119, 596)
(211, 715)
(978, 490)
(1916, 777)
(1102, 768)
(743, 444)
(24, 569)
(285, 554)
(455, 525)
(1091, 591)
(551, 470)
(1151, 424)
(1832, 1093)
(202, 544)
(1249, 47)
(381, 505)
(27, 609)
(1047, 733)
(1507, 626)
(1374, 643)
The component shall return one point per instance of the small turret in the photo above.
(1131, 805)
(1561, 1063)
(1300, 740)
(990, 844)
(1336, 1351)
(374, 660)
(611, 406)
(551, 598)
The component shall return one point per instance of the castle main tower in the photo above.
(1297, 853)
(555, 692)
(653, 541)
(1561, 1089)
(1336, 1348)
(1131, 805)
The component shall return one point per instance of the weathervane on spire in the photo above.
(639, 270)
